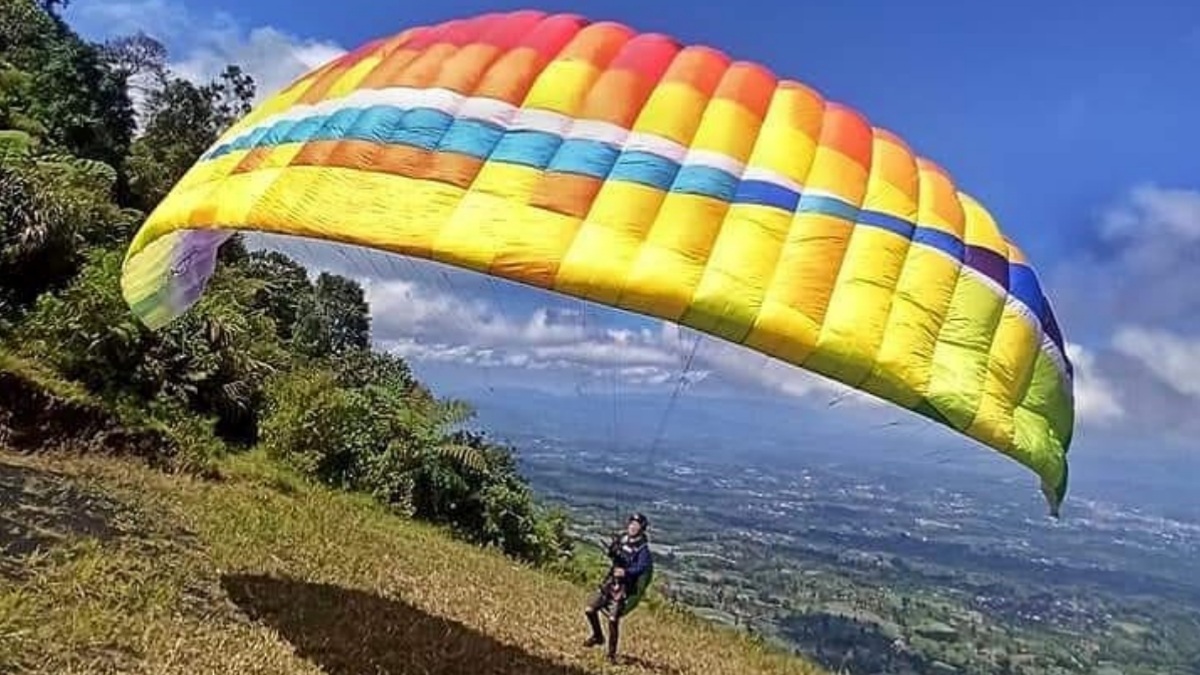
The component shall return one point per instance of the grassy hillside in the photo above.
(130, 569)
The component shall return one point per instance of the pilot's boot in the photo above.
(614, 636)
(597, 637)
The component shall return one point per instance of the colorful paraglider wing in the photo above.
(630, 170)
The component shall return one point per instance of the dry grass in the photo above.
(262, 573)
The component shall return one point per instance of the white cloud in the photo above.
(1154, 210)
(1138, 266)
(1131, 288)
(406, 307)
(273, 58)
(421, 321)
(1095, 396)
(1173, 359)
(201, 46)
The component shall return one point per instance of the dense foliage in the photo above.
(269, 357)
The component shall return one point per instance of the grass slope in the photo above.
(107, 566)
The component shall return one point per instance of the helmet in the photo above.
(639, 519)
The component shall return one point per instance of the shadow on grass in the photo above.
(40, 510)
(350, 631)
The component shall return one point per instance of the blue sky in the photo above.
(1072, 121)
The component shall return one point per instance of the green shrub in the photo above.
(386, 437)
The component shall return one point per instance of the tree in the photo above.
(53, 6)
(23, 132)
(79, 103)
(38, 246)
(231, 93)
(137, 54)
(86, 332)
(336, 320)
(83, 103)
(344, 305)
(283, 289)
(140, 60)
(212, 361)
(25, 29)
(358, 422)
(182, 121)
(362, 368)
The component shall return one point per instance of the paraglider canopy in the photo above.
(627, 169)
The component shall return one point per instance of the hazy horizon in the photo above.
(801, 435)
